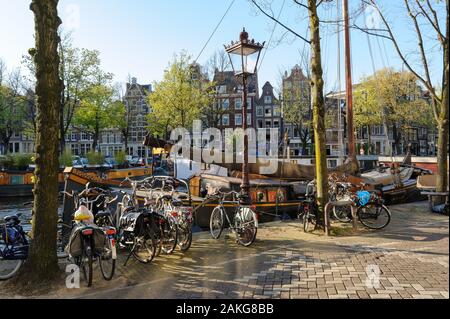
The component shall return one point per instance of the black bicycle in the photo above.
(13, 247)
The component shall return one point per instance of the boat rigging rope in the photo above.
(214, 31)
(271, 35)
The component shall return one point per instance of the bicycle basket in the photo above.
(363, 197)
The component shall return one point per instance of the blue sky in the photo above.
(139, 37)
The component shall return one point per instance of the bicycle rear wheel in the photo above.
(184, 237)
(246, 226)
(85, 263)
(216, 222)
(170, 236)
(106, 261)
(374, 216)
(309, 222)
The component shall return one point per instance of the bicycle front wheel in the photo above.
(246, 226)
(9, 268)
(309, 222)
(144, 249)
(216, 222)
(374, 216)
(342, 213)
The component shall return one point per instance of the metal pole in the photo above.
(340, 128)
(245, 186)
(349, 86)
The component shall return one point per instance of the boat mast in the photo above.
(348, 86)
(340, 139)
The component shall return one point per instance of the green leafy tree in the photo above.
(78, 70)
(12, 107)
(391, 98)
(99, 109)
(179, 98)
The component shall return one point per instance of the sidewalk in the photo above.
(408, 259)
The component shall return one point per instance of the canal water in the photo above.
(22, 205)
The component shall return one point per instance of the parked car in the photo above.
(79, 162)
(110, 162)
(140, 161)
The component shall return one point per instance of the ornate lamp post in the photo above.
(244, 57)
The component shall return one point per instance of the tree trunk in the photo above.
(62, 135)
(42, 262)
(442, 143)
(318, 108)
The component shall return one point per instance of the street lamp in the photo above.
(244, 57)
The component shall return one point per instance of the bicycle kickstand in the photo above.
(129, 255)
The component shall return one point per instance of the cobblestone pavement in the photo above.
(409, 259)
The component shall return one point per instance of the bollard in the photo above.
(326, 219)
(354, 221)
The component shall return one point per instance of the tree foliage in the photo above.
(394, 97)
(99, 108)
(179, 98)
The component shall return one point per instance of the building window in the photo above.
(238, 104)
(267, 99)
(225, 104)
(225, 120)
(268, 111)
(276, 111)
(268, 123)
(238, 119)
(276, 124)
(260, 123)
(249, 120)
(222, 89)
(249, 103)
(260, 111)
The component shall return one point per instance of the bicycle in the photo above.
(371, 211)
(176, 212)
(14, 247)
(88, 241)
(245, 221)
(308, 209)
(131, 225)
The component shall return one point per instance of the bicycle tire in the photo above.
(216, 222)
(63, 236)
(103, 261)
(186, 241)
(87, 257)
(170, 237)
(14, 271)
(308, 220)
(144, 244)
(246, 226)
(365, 217)
(341, 215)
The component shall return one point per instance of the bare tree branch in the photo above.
(402, 57)
(280, 23)
(435, 26)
